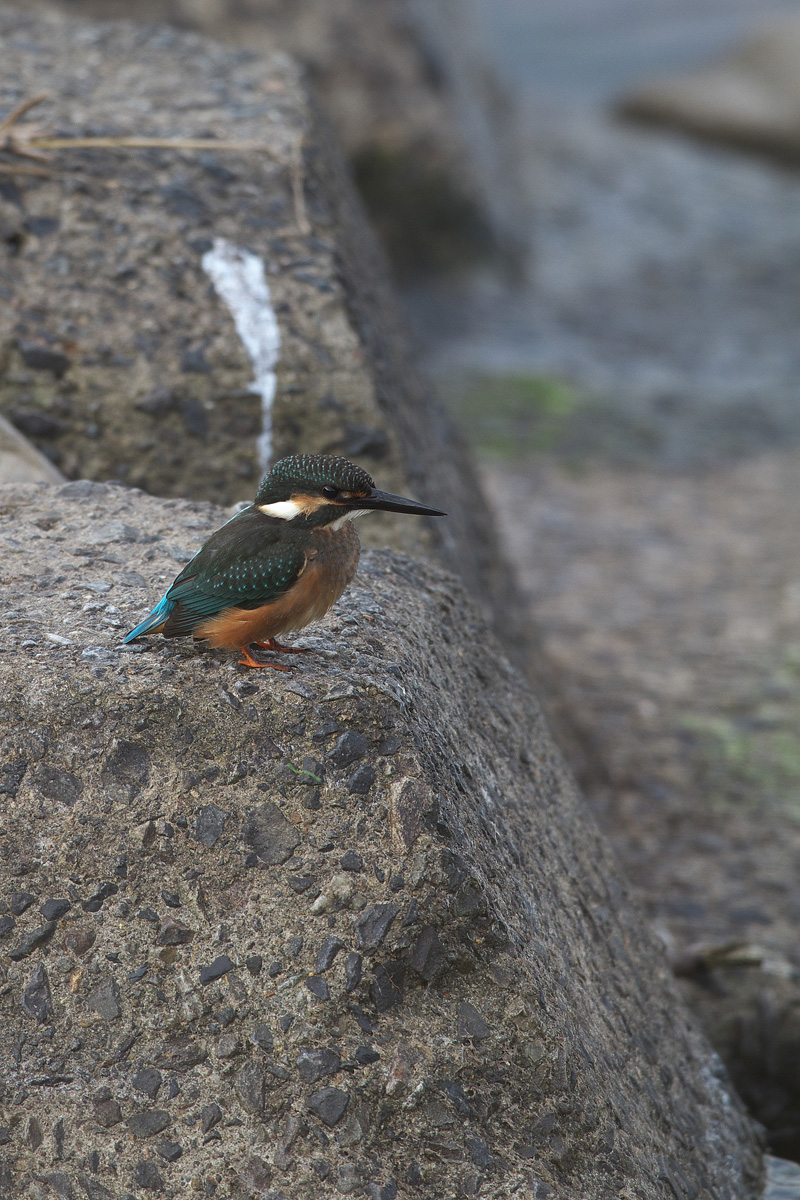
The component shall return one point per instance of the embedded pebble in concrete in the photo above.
(209, 825)
(215, 970)
(327, 953)
(329, 1104)
(315, 1064)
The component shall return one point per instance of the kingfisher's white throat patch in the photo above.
(348, 516)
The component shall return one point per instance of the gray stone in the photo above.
(349, 747)
(262, 1037)
(257, 1174)
(373, 925)
(210, 1116)
(33, 1133)
(41, 358)
(60, 786)
(428, 956)
(228, 1046)
(53, 910)
(327, 953)
(20, 461)
(61, 1185)
(215, 970)
(94, 1189)
(118, 531)
(209, 824)
(107, 1113)
(470, 1022)
(169, 1151)
(36, 1001)
(387, 989)
(173, 933)
(457, 1097)
(99, 896)
(348, 1178)
(388, 1191)
(21, 902)
(749, 98)
(105, 1001)
(32, 940)
(148, 1176)
(318, 987)
(249, 1085)
(352, 971)
(329, 1104)
(149, 1081)
(80, 939)
(126, 769)
(267, 832)
(146, 1124)
(478, 1152)
(277, 1071)
(361, 780)
(313, 1065)
(301, 883)
(179, 1053)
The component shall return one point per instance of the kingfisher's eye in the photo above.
(330, 492)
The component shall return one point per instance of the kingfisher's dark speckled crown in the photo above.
(309, 473)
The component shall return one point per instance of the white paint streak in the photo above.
(238, 278)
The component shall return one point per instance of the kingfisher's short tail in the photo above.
(154, 622)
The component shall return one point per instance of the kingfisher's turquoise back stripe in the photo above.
(159, 614)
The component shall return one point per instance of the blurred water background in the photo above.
(652, 305)
(587, 51)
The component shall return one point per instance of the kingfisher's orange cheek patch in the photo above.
(309, 504)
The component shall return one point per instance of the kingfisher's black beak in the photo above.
(386, 502)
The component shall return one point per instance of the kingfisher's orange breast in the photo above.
(330, 566)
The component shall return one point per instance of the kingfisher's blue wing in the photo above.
(250, 561)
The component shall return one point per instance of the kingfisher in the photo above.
(279, 563)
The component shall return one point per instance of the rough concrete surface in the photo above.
(416, 106)
(139, 370)
(118, 358)
(340, 930)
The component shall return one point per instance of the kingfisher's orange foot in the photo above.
(271, 644)
(247, 660)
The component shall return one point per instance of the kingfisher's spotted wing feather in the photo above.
(247, 563)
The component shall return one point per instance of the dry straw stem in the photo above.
(31, 141)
